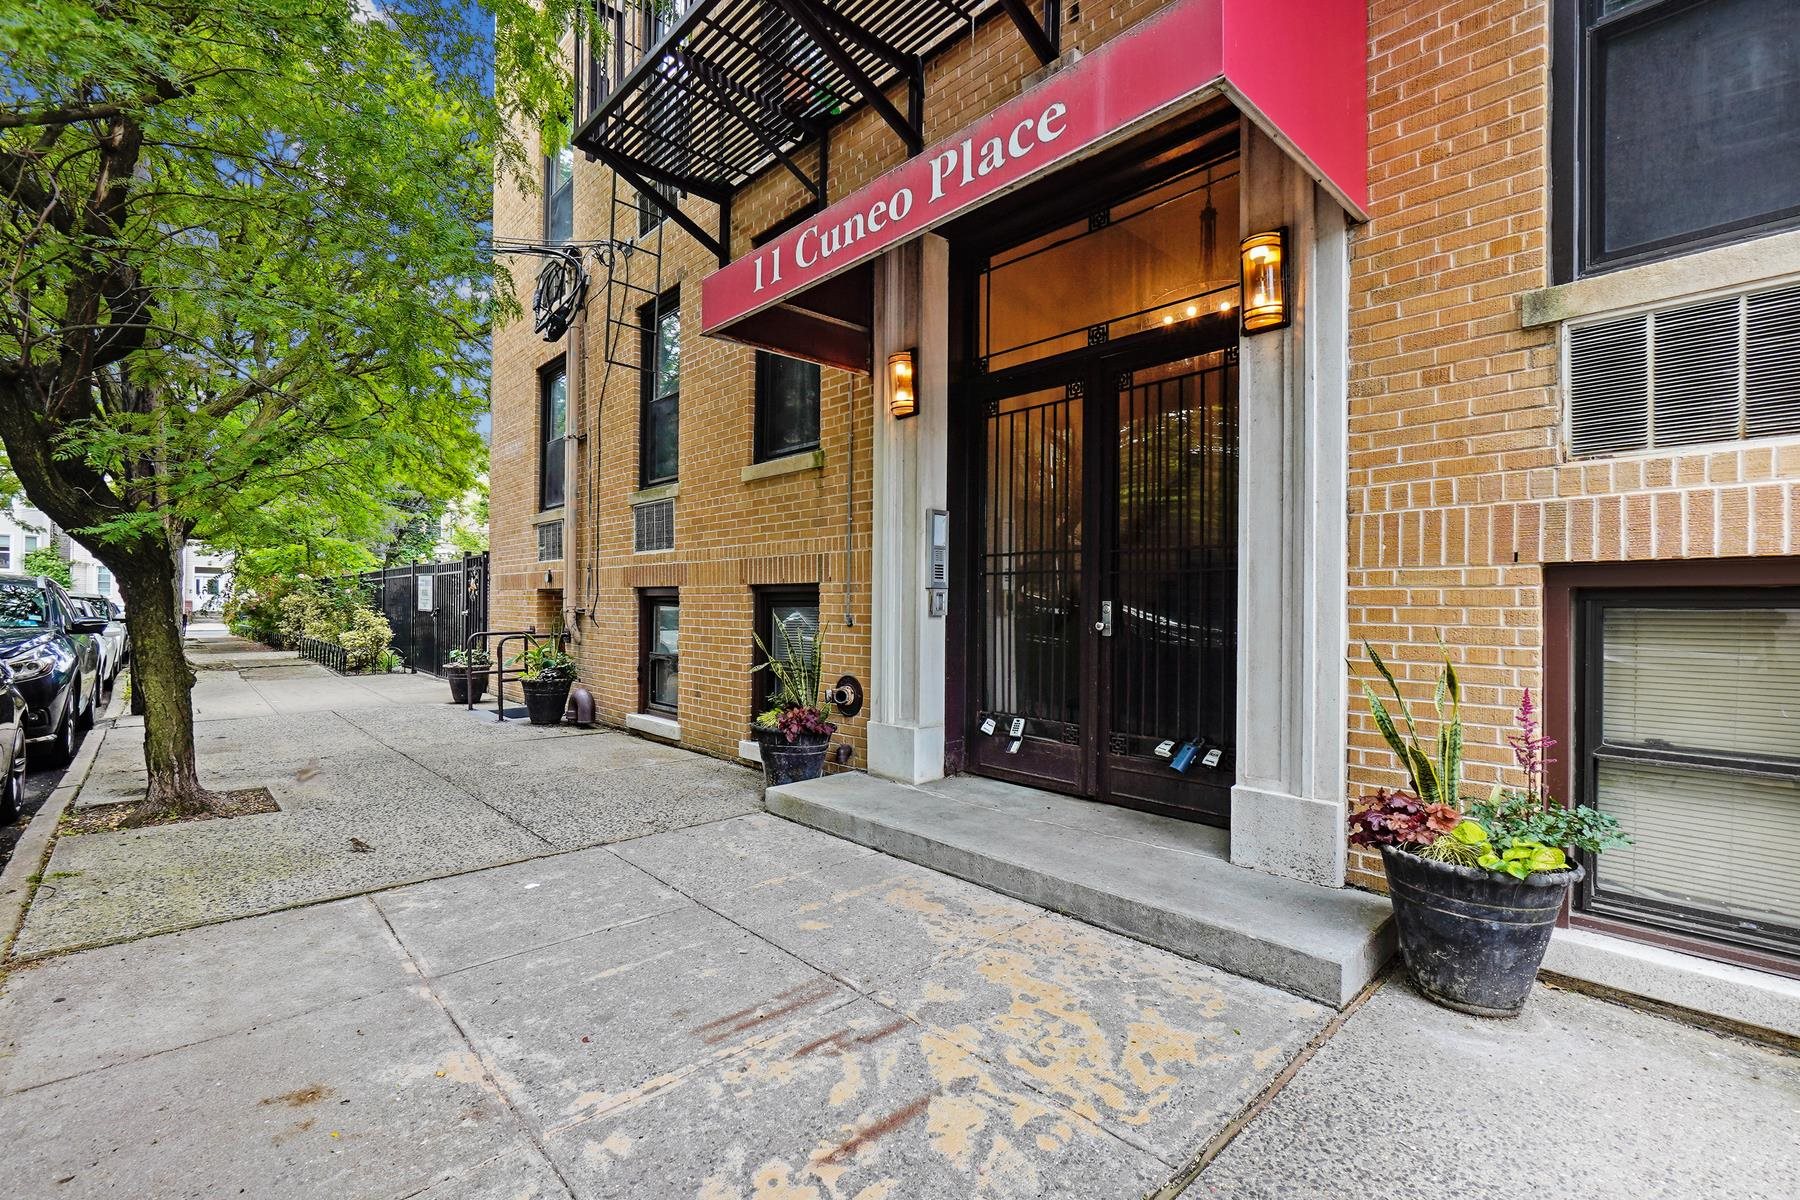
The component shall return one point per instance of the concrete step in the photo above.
(1166, 882)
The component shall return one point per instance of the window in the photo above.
(5, 551)
(559, 195)
(787, 405)
(1156, 260)
(31, 542)
(1677, 126)
(650, 213)
(103, 580)
(553, 426)
(787, 622)
(661, 416)
(661, 659)
(1689, 710)
(605, 57)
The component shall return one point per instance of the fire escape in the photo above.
(694, 98)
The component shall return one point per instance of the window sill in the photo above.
(788, 464)
(649, 495)
(1720, 268)
(547, 515)
(664, 729)
(1724, 991)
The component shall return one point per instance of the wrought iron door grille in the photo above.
(1031, 558)
(1173, 574)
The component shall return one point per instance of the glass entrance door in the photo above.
(1106, 581)
(1169, 658)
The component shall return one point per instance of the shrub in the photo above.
(47, 562)
(366, 639)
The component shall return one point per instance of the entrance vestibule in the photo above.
(1097, 408)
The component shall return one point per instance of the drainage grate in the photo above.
(653, 526)
(1719, 370)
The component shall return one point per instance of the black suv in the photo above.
(50, 645)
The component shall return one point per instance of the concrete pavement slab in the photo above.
(467, 920)
(378, 1097)
(1578, 1098)
(568, 1028)
(855, 1102)
(108, 886)
(1161, 1051)
(744, 853)
(315, 695)
(433, 723)
(519, 1175)
(81, 1012)
(871, 919)
(577, 792)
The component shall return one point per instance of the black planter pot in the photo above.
(1472, 939)
(546, 699)
(791, 762)
(466, 686)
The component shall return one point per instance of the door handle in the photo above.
(1103, 626)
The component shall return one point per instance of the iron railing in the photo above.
(326, 654)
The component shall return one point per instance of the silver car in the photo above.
(114, 642)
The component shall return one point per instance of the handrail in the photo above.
(529, 637)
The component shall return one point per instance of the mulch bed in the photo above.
(244, 802)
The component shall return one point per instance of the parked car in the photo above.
(115, 641)
(52, 648)
(12, 742)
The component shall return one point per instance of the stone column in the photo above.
(1287, 807)
(906, 685)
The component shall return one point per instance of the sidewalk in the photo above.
(717, 1003)
(382, 762)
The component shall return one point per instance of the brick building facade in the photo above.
(1510, 412)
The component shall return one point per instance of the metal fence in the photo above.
(432, 607)
(326, 653)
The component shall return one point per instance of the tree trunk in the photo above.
(161, 675)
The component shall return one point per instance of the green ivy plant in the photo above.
(1525, 858)
(545, 663)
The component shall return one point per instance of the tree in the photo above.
(47, 562)
(242, 248)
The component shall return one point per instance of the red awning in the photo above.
(1296, 69)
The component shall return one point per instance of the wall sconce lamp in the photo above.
(1265, 282)
(903, 401)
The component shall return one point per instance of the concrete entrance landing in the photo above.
(1166, 882)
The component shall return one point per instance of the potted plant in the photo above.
(1476, 888)
(468, 671)
(794, 732)
(546, 678)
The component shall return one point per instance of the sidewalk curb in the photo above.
(19, 881)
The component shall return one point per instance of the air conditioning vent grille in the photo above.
(653, 526)
(1715, 371)
(550, 541)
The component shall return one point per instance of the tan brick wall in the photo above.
(1460, 489)
(730, 534)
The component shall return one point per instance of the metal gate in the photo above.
(432, 607)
